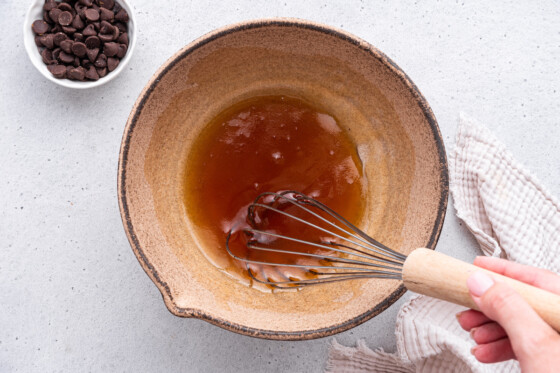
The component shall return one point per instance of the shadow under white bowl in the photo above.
(36, 12)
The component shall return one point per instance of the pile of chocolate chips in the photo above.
(81, 39)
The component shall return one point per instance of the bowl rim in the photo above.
(123, 159)
(36, 59)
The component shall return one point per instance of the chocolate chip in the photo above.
(101, 71)
(69, 30)
(86, 2)
(116, 33)
(54, 14)
(56, 53)
(48, 41)
(65, 7)
(58, 71)
(68, 68)
(77, 73)
(65, 18)
(80, 9)
(101, 61)
(93, 42)
(122, 50)
(39, 27)
(77, 23)
(121, 26)
(92, 54)
(106, 28)
(108, 4)
(78, 36)
(79, 49)
(76, 62)
(66, 46)
(110, 49)
(56, 28)
(38, 41)
(106, 15)
(89, 31)
(105, 37)
(96, 25)
(49, 5)
(123, 38)
(91, 15)
(66, 57)
(108, 32)
(92, 74)
(59, 37)
(47, 57)
(86, 63)
(122, 16)
(116, 8)
(112, 63)
(47, 18)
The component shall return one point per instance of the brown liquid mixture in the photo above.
(268, 144)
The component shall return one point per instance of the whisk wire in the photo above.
(325, 230)
(362, 236)
(329, 247)
(297, 284)
(374, 260)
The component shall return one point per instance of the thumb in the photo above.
(498, 301)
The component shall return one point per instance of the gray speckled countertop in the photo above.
(73, 296)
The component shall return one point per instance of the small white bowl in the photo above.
(36, 12)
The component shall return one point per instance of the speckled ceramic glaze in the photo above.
(385, 115)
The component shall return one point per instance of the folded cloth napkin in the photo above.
(511, 216)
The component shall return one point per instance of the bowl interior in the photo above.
(397, 138)
(35, 11)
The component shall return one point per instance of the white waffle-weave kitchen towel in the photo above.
(511, 215)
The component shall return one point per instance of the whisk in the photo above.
(350, 254)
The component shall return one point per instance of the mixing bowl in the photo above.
(383, 112)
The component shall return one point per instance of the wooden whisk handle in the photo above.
(440, 276)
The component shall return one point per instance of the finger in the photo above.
(538, 277)
(494, 352)
(501, 303)
(471, 319)
(487, 333)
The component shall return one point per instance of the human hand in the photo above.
(508, 328)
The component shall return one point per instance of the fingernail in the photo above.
(473, 350)
(459, 314)
(478, 283)
(472, 332)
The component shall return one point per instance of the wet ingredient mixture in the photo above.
(268, 144)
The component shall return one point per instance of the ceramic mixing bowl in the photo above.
(372, 98)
